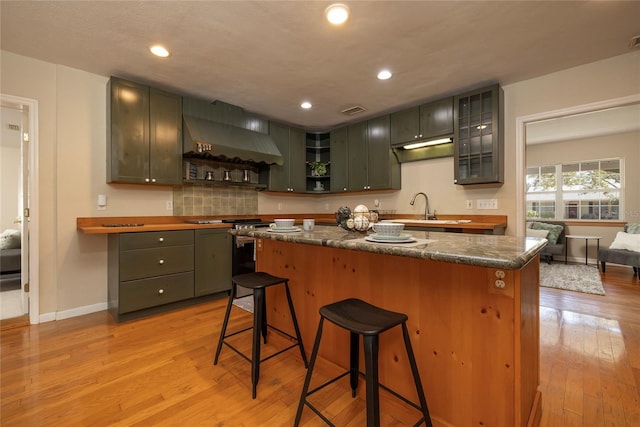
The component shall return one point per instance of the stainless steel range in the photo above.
(244, 248)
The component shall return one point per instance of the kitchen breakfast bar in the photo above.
(472, 302)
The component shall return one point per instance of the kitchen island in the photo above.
(472, 302)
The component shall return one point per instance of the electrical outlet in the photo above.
(326, 206)
(169, 205)
(487, 203)
(279, 206)
(469, 204)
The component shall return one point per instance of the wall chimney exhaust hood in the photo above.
(424, 150)
(231, 142)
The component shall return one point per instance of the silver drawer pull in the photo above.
(161, 262)
(161, 239)
(160, 291)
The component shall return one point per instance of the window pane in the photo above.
(590, 191)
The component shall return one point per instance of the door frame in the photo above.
(32, 179)
(521, 160)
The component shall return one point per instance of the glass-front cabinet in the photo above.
(479, 148)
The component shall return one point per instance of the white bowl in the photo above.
(284, 223)
(388, 228)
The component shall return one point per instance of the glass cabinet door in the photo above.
(478, 143)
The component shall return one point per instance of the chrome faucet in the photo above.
(427, 214)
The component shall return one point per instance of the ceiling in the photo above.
(608, 121)
(269, 56)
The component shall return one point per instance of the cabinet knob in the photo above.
(344, 189)
(160, 291)
(161, 239)
(153, 180)
(146, 180)
(161, 262)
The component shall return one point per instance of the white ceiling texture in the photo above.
(269, 56)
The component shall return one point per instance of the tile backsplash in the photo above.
(202, 199)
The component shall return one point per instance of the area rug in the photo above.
(579, 278)
(245, 303)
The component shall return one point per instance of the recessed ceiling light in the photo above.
(306, 105)
(337, 13)
(160, 51)
(384, 75)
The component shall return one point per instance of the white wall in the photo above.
(72, 153)
(9, 169)
(72, 156)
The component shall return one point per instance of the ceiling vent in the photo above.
(352, 111)
(634, 43)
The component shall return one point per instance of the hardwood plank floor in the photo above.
(89, 370)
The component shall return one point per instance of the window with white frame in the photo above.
(591, 190)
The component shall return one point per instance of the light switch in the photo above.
(102, 202)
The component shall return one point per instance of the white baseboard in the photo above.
(74, 312)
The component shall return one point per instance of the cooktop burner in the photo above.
(204, 221)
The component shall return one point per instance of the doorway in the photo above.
(521, 142)
(19, 210)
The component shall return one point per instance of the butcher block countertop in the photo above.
(96, 225)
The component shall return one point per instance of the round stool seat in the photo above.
(360, 317)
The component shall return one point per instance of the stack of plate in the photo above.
(284, 229)
(379, 238)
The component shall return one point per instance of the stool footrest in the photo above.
(363, 375)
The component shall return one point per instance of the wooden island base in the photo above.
(476, 344)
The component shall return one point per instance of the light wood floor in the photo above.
(89, 370)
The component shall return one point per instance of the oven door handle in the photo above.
(241, 240)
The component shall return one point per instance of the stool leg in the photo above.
(258, 317)
(416, 375)
(307, 379)
(295, 325)
(264, 316)
(354, 362)
(373, 391)
(232, 295)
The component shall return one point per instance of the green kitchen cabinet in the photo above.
(338, 152)
(478, 139)
(291, 176)
(424, 122)
(372, 164)
(144, 134)
(149, 271)
(212, 261)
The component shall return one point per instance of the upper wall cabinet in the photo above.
(372, 165)
(338, 155)
(144, 134)
(422, 123)
(291, 176)
(479, 148)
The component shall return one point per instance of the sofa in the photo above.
(10, 260)
(616, 255)
(556, 229)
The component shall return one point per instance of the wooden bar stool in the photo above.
(361, 318)
(258, 282)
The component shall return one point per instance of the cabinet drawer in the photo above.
(139, 294)
(155, 239)
(142, 263)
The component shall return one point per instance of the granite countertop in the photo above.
(474, 249)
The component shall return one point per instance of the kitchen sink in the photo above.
(431, 221)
